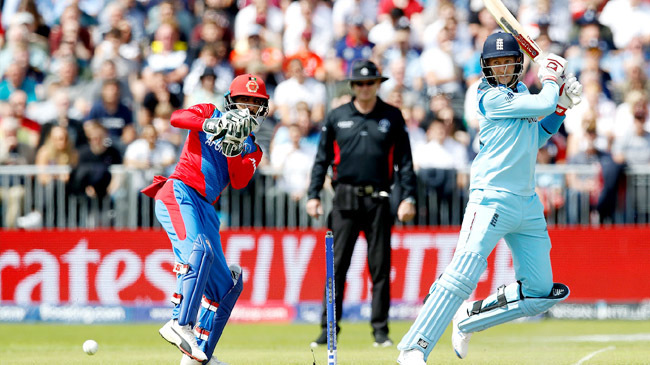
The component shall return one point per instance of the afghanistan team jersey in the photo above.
(510, 136)
(202, 166)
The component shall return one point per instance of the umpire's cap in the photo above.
(362, 70)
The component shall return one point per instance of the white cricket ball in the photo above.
(90, 347)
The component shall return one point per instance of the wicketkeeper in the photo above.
(220, 150)
(502, 204)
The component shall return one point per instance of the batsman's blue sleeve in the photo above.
(548, 127)
(508, 104)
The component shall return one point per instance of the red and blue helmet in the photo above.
(248, 85)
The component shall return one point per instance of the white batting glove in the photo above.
(570, 92)
(551, 68)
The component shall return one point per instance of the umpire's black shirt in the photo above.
(363, 149)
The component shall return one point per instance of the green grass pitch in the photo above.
(540, 342)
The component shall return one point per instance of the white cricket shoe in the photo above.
(186, 360)
(460, 340)
(182, 337)
(411, 357)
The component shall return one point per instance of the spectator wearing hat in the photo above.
(213, 56)
(205, 91)
(314, 16)
(342, 10)
(364, 140)
(259, 12)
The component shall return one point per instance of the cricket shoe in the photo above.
(382, 340)
(411, 357)
(183, 338)
(186, 360)
(460, 340)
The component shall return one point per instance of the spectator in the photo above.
(292, 162)
(18, 37)
(635, 102)
(213, 56)
(149, 155)
(345, 9)
(312, 62)
(439, 67)
(115, 117)
(70, 31)
(260, 13)
(61, 118)
(411, 8)
(409, 70)
(597, 191)
(626, 19)
(205, 91)
(164, 130)
(171, 12)
(313, 16)
(28, 130)
(67, 78)
(449, 153)
(56, 151)
(257, 57)
(108, 70)
(168, 55)
(15, 79)
(91, 177)
(633, 148)
(213, 30)
(110, 49)
(13, 152)
(160, 93)
(354, 45)
(298, 87)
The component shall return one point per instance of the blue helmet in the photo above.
(501, 45)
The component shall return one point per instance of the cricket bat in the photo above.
(509, 23)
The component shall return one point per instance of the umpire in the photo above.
(363, 140)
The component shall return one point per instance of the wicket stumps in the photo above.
(331, 299)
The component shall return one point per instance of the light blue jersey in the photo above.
(510, 136)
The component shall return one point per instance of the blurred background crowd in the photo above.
(92, 83)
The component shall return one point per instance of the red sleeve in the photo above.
(192, 118)
(385, 6)
(241, 169)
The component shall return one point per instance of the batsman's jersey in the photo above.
(510, 136)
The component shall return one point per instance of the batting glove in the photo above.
(551, 68)
(570, 93)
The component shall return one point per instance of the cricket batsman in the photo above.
(502, 204)
(220, 150)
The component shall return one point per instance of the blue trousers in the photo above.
(184, 214)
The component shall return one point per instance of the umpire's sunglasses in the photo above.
(364, 83)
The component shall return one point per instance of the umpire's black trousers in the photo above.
(371, 215)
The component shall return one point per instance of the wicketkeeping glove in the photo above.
(214, 126)
(570, 93)
(551, 68)
(231, 147)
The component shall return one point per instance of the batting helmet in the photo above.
(248, 85)
(502, 45)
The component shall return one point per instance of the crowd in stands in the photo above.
(94, 82)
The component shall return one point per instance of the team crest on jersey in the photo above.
(509, 96)
(384, 125)
(252, 86)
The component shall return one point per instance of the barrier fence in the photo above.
(120, 275)
(572, 194)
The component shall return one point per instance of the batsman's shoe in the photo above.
(183, 338)
(382, 340)
(460, 340)
(411, 357)
(186, 360)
